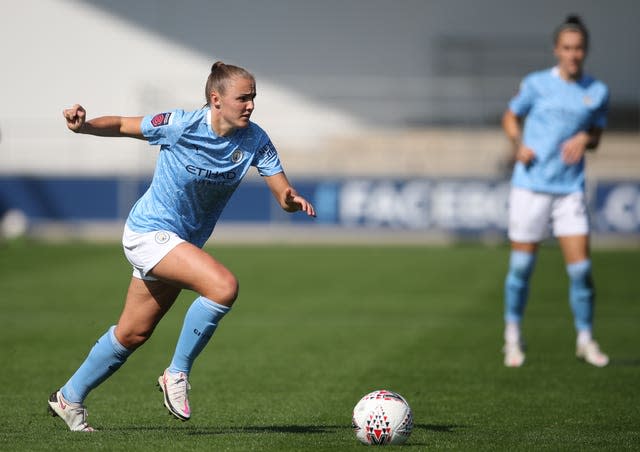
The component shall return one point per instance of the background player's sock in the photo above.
(584, 337)
(581, 294)
(516, 286)
(512, 333)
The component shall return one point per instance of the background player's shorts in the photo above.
(531, 214)
(144, 250)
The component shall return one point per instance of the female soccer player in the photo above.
(204, 155)
(556, 116)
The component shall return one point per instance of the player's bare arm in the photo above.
(104, 126)
(512, 126)
(287, 196)
(574, 148)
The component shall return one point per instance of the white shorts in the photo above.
(531, 214)
(145, 250)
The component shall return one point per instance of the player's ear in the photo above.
(214, 99)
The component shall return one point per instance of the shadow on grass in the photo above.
(261, 429)
(625, 363)
(251, 429)
(443, 428)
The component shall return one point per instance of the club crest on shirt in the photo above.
(161, 119)
(587, 100)
(237, 156)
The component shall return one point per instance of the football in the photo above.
(381, 418)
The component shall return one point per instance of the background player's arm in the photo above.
(574, 148)
(287, 196)
(104, 126)
(512, 126)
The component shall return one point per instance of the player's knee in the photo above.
(231, 289)
(225, 289)
(134, 339)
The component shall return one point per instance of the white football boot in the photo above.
(74, 414)
(591, 353)
(175, 388)
(513, 354)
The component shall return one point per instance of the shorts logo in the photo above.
(237, 156)
(161, 119)
(162, 237)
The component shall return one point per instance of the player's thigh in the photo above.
(575, 248)
(570, 219)
(569, 215)
(146, 303)
(190, 267)
(529, 215)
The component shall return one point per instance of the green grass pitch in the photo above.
(313, 330)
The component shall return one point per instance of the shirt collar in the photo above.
(555, 72)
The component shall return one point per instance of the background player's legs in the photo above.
(529, 214)
(516, 287)
(575, 249)
(516, 291)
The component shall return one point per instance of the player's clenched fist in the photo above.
(75, 117)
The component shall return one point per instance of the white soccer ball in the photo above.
(381, 418)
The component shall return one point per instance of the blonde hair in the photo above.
(220, 75)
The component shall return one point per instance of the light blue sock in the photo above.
(200, 322)
(581, 294)
(516, 285)
(106, 356)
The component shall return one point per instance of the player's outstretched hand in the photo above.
(75, 117)
(295, 202)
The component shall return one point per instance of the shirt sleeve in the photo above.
(163, 128)
(600, 115)
(266, 160)
(522, 102)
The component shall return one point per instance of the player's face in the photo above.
(570, 52)
(237, 103)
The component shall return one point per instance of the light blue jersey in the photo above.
(197, 172)
(555, 110)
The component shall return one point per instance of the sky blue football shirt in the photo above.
(196, 172)
(555, 110)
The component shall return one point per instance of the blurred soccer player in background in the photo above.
(556, 116)
(204, 154)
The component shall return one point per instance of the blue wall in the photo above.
(460, 206)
